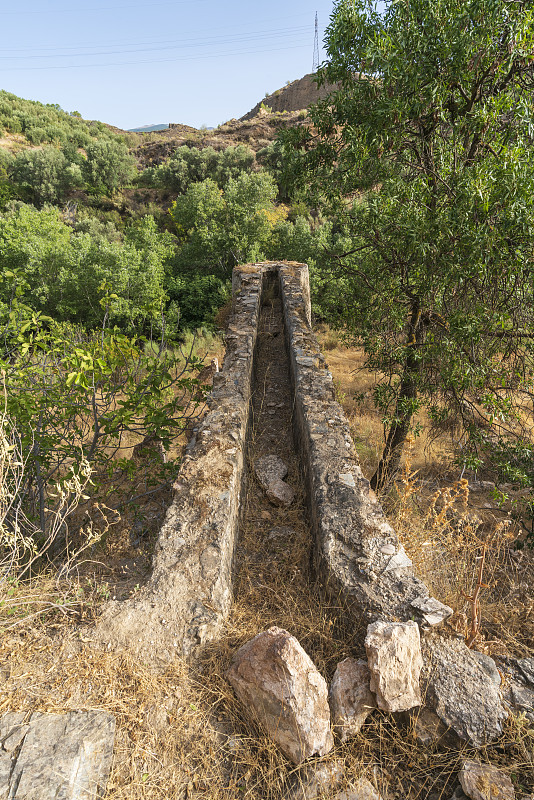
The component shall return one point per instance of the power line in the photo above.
(316, 45)
(161, 60)
(241, 38)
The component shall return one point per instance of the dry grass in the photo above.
(442, 524)
(182, 734)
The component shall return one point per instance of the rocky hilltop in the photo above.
(293, 97)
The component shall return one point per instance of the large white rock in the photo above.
(278, 682)
(351, 700)
(55, 756)
(395, 662)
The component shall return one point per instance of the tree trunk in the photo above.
(389, 464)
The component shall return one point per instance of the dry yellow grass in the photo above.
(182, 734)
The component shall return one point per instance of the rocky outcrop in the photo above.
(275, 679)
(55, 756)
(292, 97)
(351, 700)
(395, 662)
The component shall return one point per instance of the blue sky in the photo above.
(130, 63)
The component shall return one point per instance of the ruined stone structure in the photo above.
(357, 555)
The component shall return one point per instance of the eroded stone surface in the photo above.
(189, 593)
(55, 756)
(461, 691)
(277, 681)
(484, 782)
(270, 471)
(395, 662)
(351, 700)
(315, 781)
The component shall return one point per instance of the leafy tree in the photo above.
(424, 157)
(46, 175)
(61, 270)
(108, 165)
(221, 228)
(74, 396)
(189, 165)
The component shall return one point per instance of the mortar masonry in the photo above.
(357, 555)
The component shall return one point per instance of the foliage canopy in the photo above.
(424, 156)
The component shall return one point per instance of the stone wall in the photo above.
(190, 589)
(357, 552)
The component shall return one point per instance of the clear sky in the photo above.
(129, 63)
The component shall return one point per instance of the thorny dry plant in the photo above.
(468, 561)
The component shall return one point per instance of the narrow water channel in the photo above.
(274, 542)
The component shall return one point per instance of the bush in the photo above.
(45, 174)
(198, 297)
(109, 165)
(190, 165)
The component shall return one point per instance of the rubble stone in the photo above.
(269, 468)
(460, 690)
(484, 782)
(314, 781)
(351, 700)
(394, 656)
(275, 679)
(270, 471)
(55, 756)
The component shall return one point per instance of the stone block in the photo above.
(277, 681)
(394, 656)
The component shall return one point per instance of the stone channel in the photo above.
(225, 537)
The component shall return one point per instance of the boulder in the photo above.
(270, 471)
(395, 662)
(49, 756)
(461, 689)
(278, 682)
(351, 700)
(484, 782)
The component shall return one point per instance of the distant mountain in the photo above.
(147, 128)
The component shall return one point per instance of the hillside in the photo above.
(256, 133)
(292, 97)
